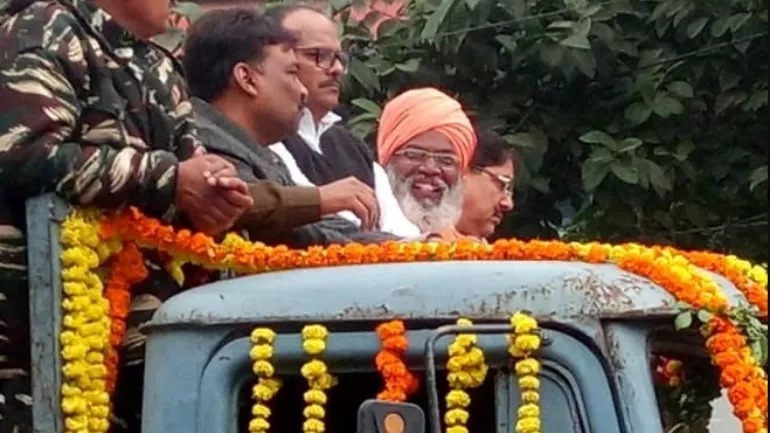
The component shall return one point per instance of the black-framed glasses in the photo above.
(419, 156)
(326, 57)
(504, 182)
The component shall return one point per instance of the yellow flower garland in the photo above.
(86, 325)
(467, 369)
(261, 354)
(318, 378)
(524, 341)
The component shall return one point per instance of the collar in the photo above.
(311, 133)
(210, 117)
(101, 23)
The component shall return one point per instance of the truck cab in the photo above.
(602, 326)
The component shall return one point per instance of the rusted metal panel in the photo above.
(433, 290)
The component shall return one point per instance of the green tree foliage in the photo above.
(637, 120)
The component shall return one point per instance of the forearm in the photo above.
(279, 208)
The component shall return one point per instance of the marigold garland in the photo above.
(261, 354)
(399, 382)
(127, 270)
(86, 326)
(676, 271)
(318, 378)
(521, 344)
(466, 370)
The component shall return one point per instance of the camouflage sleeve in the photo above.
(39, 112)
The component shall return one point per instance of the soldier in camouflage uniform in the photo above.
(92, 111)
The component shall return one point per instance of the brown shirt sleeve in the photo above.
(279, 208)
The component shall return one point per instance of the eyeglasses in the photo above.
(419, 156)
(325, 57)
(504, 182)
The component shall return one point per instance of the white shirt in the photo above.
(392, 218)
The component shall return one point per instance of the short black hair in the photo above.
(222, 38)
(492, 149)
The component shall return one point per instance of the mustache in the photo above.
(334, 82)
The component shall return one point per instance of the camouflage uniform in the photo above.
(101, 118)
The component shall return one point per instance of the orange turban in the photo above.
(422, 110)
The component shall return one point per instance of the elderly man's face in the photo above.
(425, 176)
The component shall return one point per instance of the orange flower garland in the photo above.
(127, 270)
(677, 272)
(399, 382)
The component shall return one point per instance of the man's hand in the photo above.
(352, 195)
(211, 208)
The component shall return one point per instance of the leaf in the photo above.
(576, 41)
(683, 320)
(624, 172)
(551, 54)
(759, 351)
(658, 179)
(367, 105)
(411, 65)
(695, 27)
(758, 177)
(601, 154)
(435, 19)
(522, 140)
(541, 184)
(637, 113)
(704, 316)
(507, 41)
(471, 4)
(593, 174)
(599, 137)
(585, 61)
(629, 144)
(664, 105)
(719, 27)
(364, 75)
(561, 25)
(681, 89)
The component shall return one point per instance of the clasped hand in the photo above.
(210, 193)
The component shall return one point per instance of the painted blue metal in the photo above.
(435, 290)
(223, 367)
(44, 214)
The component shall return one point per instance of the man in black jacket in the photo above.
(242, 70)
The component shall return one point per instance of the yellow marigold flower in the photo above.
(74, 369)
(97, 371)
(459, 379)
(314, 411)
(529, 383)
(313, 369)
(73, 405)
(457, 429)
(456, 416)
(478, 376)
(759, 274)
(523, 323)
(456, 349)
(257, 425)
(528, 425)
(74, 351)
(273, 383)
(466, 340)
(68, 390)
(262, 392)
(454, 364)
(314, 346)
(464, 322)
(261, 410)
(76, 422)
(100, 411)
(314, 396)
(529, 410)
(528, 366)
(261, 352)
(530, 397)
(262, 336)
(325, 381)
(263, 368)
(458, 398)
(527, 343)
(72, 288)
(99, 425)
(314, 332)
(313, 426)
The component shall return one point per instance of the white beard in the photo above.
(428, 216)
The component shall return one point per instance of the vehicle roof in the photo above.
(426, 290)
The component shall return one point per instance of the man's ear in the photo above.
(246, 79)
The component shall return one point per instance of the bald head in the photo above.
(321, 62)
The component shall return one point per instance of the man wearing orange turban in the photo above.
(425, 142)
